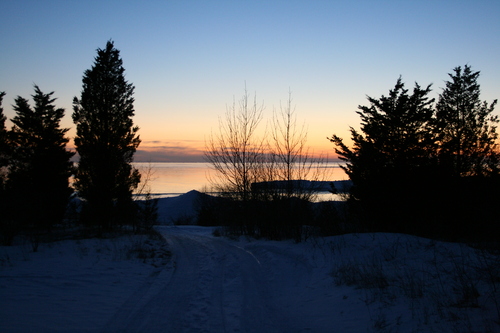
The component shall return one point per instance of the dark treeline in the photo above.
(417, 165)
(35, 165)
(426, 167)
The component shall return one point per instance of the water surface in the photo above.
(172, 179)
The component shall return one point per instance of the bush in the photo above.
(273, 219)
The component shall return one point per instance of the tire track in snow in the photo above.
(248, 302)
(213, 286)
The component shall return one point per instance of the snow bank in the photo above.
(73, 285)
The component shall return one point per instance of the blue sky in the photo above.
(189, 59)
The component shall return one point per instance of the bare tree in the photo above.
(293, 164)
(267, 179)
(147, 204)
(236, 153)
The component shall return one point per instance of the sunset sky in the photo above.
(189, 59)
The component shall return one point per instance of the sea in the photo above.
(168, 179)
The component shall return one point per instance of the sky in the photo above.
(189, 60)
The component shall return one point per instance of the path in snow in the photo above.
(217, 285)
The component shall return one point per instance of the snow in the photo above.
(179, 208)
(193, 281)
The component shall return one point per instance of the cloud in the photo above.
(180, 151)
(165, 151)
(153, 144)
(166, 156)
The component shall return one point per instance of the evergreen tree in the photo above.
(397, 138)
(3, 142)
(393, 154)
(40, 167)
(7, 229)
(466, 127)
(106, 141)
(468, 157)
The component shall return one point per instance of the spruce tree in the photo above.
(106, 141)
(40, 166)
(466, 127)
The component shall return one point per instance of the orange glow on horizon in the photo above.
(166, 138)
(194, 150)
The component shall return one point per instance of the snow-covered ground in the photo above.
(193, 281)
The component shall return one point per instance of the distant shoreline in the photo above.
(319, 187)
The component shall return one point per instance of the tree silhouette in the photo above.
(466, 127)
(468, 157)
(7, 227)
(3, 142)
(290, 158)
(396, 141)
(106, 141)
(40, 166)
(236, 154)
(261, 181)
(392, 156)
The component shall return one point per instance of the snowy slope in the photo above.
(180, 208)
(72, 286)
(350, 283)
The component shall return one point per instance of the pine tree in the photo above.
(40, 167)
(106, 141)
(466, 127)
